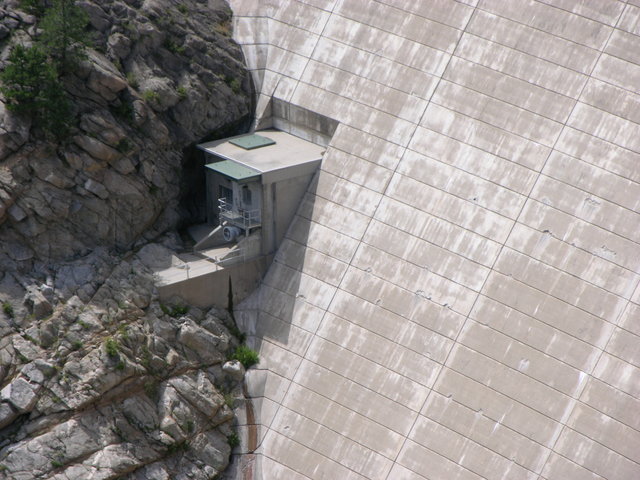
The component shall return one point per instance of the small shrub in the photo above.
(151, 389)
(145, 359)
(123, 110)
(120, 365)
(132, 80)
(76, 345)
(233, 440)
(182, 92)
(56, 463)
(150, 96)
(229, 400)
(178, 446)
(34, 7)
(189, 426)
(175, 311)
(123, 330)
(183, 9)
(111, 347)
(246, 356)
(124, 145)
(7, 308)
(173, 47)
(233, 83)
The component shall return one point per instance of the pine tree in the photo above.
(31, 81)
(31, 86)
(63, 33)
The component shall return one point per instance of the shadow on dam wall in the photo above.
(267, 317)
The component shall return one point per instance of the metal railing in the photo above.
(245, 219)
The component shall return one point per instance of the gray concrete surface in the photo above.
(458, 296)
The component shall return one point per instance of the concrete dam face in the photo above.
(457, 296)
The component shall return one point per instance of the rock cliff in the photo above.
(119, 387)
(161, 75)
(97, 379)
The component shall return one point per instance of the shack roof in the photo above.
(234, 170)
(287, 157)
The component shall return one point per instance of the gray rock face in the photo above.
(95, 380)
(161, 84)
(125, 390)
(7, 414)
(234, 369)
(37, 303)
(20, 394)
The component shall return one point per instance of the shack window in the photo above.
(226, 193)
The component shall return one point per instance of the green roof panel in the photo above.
(234, 170)
(251, 141)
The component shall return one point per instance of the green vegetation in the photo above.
(175, 311)
(183, 9)
(31, 81)
(145, 359)
(7, 308)
(182, 92)
(151, 389)
(63, 33)
(112, 347)
(56, 463)
(123, 330)
(34, 7)
(173, 47)
(150, 96)
(233, 439)
(233, 83)
(76, 345)
(178, 446)
(246, 356)
(229, 400)
(189, 426)
(32, 87)
(132, 80)
(233, 326)
(123, 110)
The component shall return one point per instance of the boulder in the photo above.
(234, 369)
(96, 188)
(206, 345)
(37, 303)
(14, 131)
(7, 414)
(21, 394)
(96, 148)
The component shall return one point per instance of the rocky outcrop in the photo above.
(116, 387)
(161, 76)
(97, 379)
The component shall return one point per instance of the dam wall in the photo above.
(457, 296)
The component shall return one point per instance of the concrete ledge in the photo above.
(212, 288)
